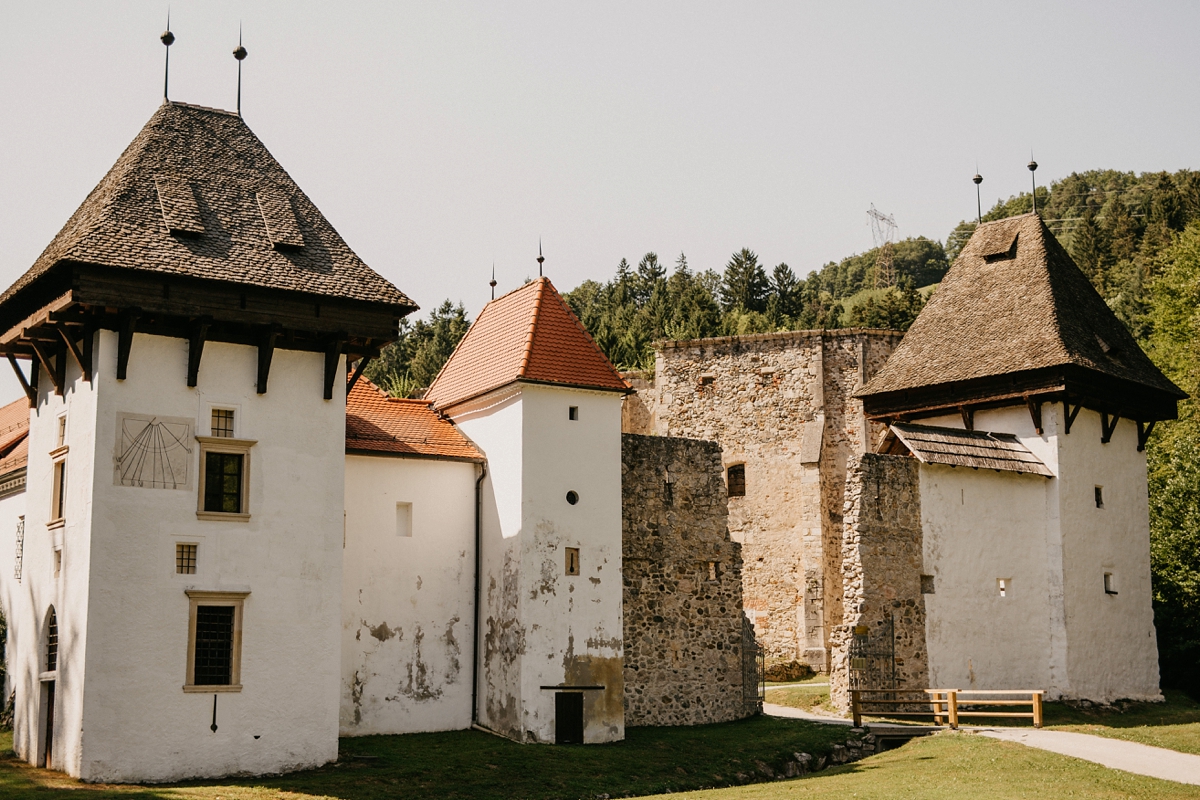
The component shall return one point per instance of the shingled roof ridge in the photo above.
(530, 337)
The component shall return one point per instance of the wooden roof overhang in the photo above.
(1074, 386)
(53, 318)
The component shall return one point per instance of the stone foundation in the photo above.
(685, 656)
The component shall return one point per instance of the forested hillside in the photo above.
(1137, 237)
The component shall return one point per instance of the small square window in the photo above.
(707, 381)
(222, 422)
(1099, 497)
(927, 584)
(1004, 586)
(573, 413)
(185, 559)
(572, 560)
(736, 480)
(404, 520)
(1110, 583)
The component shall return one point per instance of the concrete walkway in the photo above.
(1141, 759)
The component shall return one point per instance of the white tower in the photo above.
(543, 404)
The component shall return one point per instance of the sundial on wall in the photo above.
(153, 452)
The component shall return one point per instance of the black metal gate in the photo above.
(873, 656)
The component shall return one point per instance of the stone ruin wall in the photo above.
(881, 569)
(684, 649)
(780, 404)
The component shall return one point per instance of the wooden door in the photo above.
(48, 752)
(568, 718)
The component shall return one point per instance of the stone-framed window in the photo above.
(185, 558)
(735, 480)
(58, 488)
(224, 478)
(214, 658)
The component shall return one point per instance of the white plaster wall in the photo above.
(979, 526)
(408, 619)
(1112, 652)
(30, 600)
(494, 424)
(574, 624)
(541, 627)
(15, 596)
(1098, 647)
(138, 724)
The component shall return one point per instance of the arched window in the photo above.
(51, 641)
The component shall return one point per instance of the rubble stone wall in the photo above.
(881, 569)
(683, 623)
(781, 405)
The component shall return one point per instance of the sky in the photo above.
(440, 138)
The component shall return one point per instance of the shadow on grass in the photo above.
(470, 764)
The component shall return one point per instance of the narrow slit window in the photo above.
(736, 480)
(52, 641)
(573, 413)
(57, 561)
(58, 499)
(185, 558)
(1110, 584)
(404, 520)
(1004, 586)
(1099, 497)
(572, 560)
(712, 571)
(61, 438)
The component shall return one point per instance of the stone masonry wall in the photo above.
(881, 569)
(683, 623)
(781, 405)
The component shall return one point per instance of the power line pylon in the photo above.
(883, 230)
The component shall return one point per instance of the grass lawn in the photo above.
(469, 764)
(809, 698)
(953, 766)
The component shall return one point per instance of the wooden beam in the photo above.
(84, 366)
(358, 371)
(968, 417)
(1106, 427)
(1035, 413)
(196, 338)
(128, 323)
(1069, 414)
(45, 358)
(266, 351)
(1144, 431)
(30, 390)
(89, 347)
(333, 354)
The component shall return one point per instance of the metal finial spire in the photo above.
(978, 179)
(540, 257)
(1033, 177)
(492, 282)
(168, 39)
(240, 54)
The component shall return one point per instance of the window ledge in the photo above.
(59, 452)
(228, 441)
(56, 523)
(189, 688)
(223, 516)
(52, 675)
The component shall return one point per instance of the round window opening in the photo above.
(572, 498)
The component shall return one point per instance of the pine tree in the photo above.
(744, 284)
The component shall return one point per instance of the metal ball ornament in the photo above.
(240, 53)
(168, 38)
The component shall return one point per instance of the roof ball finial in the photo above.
(240, 53)
(167, 37)
(1033, 178)
(978, 179)
(1032, 165)
(540, 257)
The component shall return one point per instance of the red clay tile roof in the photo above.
(376, 423)
(14, 436)
(529, 334)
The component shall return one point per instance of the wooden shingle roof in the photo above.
(529, 334)
(975, 449)
(197, 194)
(380, 425)
(1013, 307)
